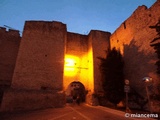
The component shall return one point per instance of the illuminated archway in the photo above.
(77, 87)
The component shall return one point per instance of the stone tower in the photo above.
(41, 56)
(38, 75)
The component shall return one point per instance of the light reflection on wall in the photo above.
(70, 66)
(90, 71)
(78, 68)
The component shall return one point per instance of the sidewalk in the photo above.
(124, 114)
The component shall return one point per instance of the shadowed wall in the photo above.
(9, 46)
(133, 38)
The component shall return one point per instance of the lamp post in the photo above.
(126, 90)
(148, 81)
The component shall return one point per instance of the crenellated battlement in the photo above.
(44, 26)
(3, 30)
(141, 8)
(14, 32)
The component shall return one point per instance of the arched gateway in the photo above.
(75, 89)
(81, 63)
(49, 60)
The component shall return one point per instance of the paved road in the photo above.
(70, 112)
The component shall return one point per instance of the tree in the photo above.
(156, 44)
(113, 78)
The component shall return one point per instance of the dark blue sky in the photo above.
(80, 15)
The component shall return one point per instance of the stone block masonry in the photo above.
(133, 38)
(41, 56)
(9, 46)
(24, 100)
(38, 74)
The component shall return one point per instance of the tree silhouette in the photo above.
(113, 78)
(156, 45)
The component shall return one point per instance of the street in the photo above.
(69, 112)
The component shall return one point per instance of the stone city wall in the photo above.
(9, 46)
(23, 100)
(133, 38)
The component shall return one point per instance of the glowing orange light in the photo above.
(79, 68)
(70, 66)
(69, 62)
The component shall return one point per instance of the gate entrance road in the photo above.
(70, 112)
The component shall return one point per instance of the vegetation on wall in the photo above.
(113, 78)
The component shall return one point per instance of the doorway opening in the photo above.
(75, 90)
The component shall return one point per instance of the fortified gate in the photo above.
(52, 61)
(49, 60)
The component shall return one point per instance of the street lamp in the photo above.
(148, 81)
(126, 90)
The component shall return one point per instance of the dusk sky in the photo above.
(81, 16)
